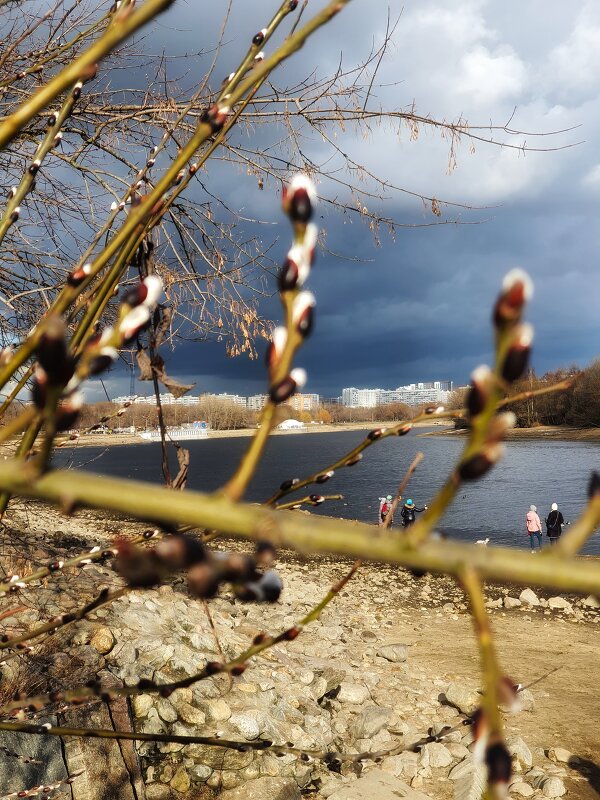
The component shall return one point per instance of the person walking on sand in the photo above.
(385, 506)
(533, 525)
(554, 523)
(408, 513)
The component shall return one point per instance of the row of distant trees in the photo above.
(225, 415)
(579, 408)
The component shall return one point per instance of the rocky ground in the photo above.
(390, 659)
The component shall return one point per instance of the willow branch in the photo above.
(310, 535)
(123, 26)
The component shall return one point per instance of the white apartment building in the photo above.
(256, 402)
(413, 394)
(166, 399)
(228, 398)
(360, 398)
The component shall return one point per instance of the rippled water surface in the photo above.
(532, 472)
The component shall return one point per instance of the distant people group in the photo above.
(409, 509)
(533, 524)
(554, 522)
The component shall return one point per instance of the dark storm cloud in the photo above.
(418, 307)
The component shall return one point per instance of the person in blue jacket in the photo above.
(408, 513)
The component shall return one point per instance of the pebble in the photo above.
(103, 640)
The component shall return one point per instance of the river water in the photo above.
(532, 472)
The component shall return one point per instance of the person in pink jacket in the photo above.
(534, 528)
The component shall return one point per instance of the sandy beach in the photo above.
(108, 440)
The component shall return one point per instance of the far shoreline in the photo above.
(115, 439)
(539, 433)
(554, 433)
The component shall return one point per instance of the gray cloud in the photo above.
(418, 307)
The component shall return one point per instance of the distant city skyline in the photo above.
(351, 397)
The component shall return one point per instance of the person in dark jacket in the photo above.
(408, 513)
(554, 523)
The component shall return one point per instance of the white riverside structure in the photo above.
(176, 434)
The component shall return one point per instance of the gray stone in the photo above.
(181, 780)
(330, 785)
(165, 710)
(371, 721)
(559, 603)
(158, 791)
(353, 693)
(438, 755)
(318, 688)
(200, 773)
(559, 755)
(529, 597)
(396, 653)
(333, 677)
(519, 751)
(535, 776)
(511, 602)
(406, 764)
(377, 785)
(218, 757)
(494, 603)
(190, 714)
(462, 770)
(266, 788)
(457, 750)
(552, 787)
(591, 601)
(521, 788)
(247, 724)
(465, 699)
(216, 710)
(526, 700)
(142, 703)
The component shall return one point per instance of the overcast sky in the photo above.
(417, 307)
